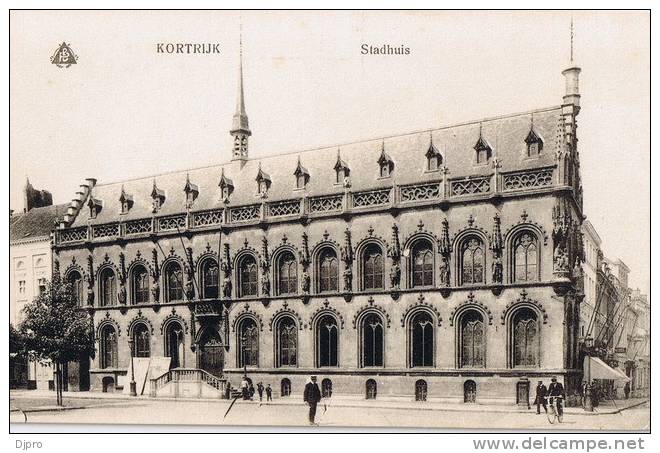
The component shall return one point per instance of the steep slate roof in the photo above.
(506, 135)
(36, 223)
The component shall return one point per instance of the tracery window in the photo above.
(210, 279)
(141, 341)
(328, 271)
(247, 274)
(525, 338)
(76, 282)
(287, 274)
(472, 261)
(422, 264)
(421, 340)
(173, 282)
(525, 258)
(327, 341)
(174, 344)
(140, 285)
(287, 342)
(108, 347)
(108, 288)
(372, 268)
(372, 340)
(248, 343)
(472, 339)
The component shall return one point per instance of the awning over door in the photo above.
(595, 368)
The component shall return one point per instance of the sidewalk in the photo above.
(337, 401)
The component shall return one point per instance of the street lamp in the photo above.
(244, 353)
(588, 402)
(132, 383)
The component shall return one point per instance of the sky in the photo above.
(125, 110)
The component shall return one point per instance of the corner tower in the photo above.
(240, 129)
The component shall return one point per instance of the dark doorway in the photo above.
(108, 384)
(211, 353)
(326, 388)
(83, 370)
(470, 392)
(522, 393)
(286, 387)
(174, 345)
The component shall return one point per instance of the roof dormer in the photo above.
(385, 163)
(263, 183)
(226, 187)
(126, 201)
(158, 198)
(342, 171)
(483, 149)
(302, 175)
(433, 157)
(191, 190)
(534, 143)
(95, 207)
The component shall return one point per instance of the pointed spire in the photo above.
(571, 38)
(240, 129)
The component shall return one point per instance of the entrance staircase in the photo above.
(187, 383)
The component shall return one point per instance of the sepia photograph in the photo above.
(318, 220)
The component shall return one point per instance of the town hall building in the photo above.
(443, 264)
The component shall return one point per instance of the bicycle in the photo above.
(553, 412)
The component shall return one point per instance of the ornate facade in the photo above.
(439, 264)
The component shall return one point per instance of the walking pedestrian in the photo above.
(312, 396)
(251, 390)
(269, 393)
(244, 388)
(260, 390)
(626, 390)
(541, 393)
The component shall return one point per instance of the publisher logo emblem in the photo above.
(64, 56)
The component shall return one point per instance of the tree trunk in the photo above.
(58, 383)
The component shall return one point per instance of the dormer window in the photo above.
(433, 158)
(302, 176)
(126, 201)
(226, 187)
(385, 163)
(95, 206)
(263, 183)
(483, 151)
(158, 198)
(534, 144)
(342, 171)
(191, 190)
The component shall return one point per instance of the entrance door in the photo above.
(421, 390)
(470, 392)
(175, 344)
(212, 355)
(371, 389)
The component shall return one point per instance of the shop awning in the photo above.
(595, 368)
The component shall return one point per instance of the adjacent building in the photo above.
(440, 264)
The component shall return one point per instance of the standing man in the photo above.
(244, 388)
(269, 393)
(541, 393)
(260, 390)
(556, 391)
(312, 396)
(626, 390)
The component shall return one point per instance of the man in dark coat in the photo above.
(312, 396)
(260, 390)
(556, 390)
(269, 393)
(541, 393)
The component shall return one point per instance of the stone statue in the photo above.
(560, 260)
(348, 279)
(190, 290)
(306, 282)
(444, 273)
(90, 296)
(265, 284)
(497, 269)
(226, 288)
(155, 291)
(121, 294)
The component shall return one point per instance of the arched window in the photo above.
(248, 343)
(422, 264)
(472, 261)
(328, 271)
(75, 280)
(108, 347)
(247, 275)
(141, 341)
(286, 387)
(287, 342)
(326, 388)
(140, 285)
(372, 340)
(525, 338)
(108, 288)
(421, 390)
(174, 344)
(421, 340)
(210, 279)
(525, 258)
(287, 274)
(327, 341)
(471, 339)
(173, 282)
(372, 268)
(371, 389)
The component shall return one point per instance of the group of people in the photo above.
(248, 390)
(543, 394)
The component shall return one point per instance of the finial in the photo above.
(571, 38)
